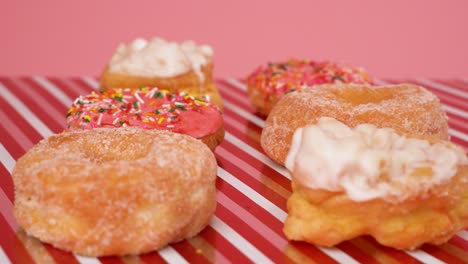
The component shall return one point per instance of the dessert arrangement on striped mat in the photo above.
(302, 161)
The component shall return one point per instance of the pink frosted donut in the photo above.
(268, 83)
(149, 108)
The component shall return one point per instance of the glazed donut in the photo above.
(109, 191)
(184, 67)
(406, 108)
(402, 190)
(268, 83)
(149, 108)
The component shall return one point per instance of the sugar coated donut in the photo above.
(268, 83)
(185, 67)
(110, 191)
(149, 108)
(404, 190)
(406, 108)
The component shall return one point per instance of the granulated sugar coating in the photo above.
(407, 108)
(114, 191)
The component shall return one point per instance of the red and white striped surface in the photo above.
(252, 190)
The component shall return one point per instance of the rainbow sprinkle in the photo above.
(284, 77)
(145, 107)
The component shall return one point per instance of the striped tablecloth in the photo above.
(252, 190)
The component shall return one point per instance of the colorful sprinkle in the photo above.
(145, 107)
(293, 75)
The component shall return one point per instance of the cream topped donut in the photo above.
(148, 108)
(160, 58)
(403, 190)
(185, 66)
(268, 83)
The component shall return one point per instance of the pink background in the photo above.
(389, 38)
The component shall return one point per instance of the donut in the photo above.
(148, 108)
(406, 108)
(184, 67)
(403, 190)
(268, 83)
(109, 191)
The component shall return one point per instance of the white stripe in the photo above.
(3, 257)
(91, 82)
(254, 119)
(24, 111)
(238, 241)
(256, 154)
(424, 257)
(338, 255)
(277, 212)
(237, 84)
(7, 160)
(7, 207)
(170, 255)
(444, 88)
(274, 210)
(458, 134)
(455, 111)
(51, 88)
(251, 220)
(87, 260)
(463, 234)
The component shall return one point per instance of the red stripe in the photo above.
(253, 183)
(11, 128)
(79, 81)
(263, 215)
(312, 252)
(20, 122)
(250, 206)
(6, 184)
(459, 242)
(239, 92)
(223, 245)
(58, 105)
(242, 128)
(441, 254)
(71, 89)
(398, 255)
(258, 165)
(110, 260)
(39, 106)
(242, 200)
(235, 96)
(189, 252)
(60, 256)
(153, 257)
(11, 244)
(10, 143)
(457, 84)
(256, 239)
(356, 253)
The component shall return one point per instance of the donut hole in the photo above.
(116, 149)
(358, 96)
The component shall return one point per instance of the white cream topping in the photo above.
(160, 58)
(367, 162)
